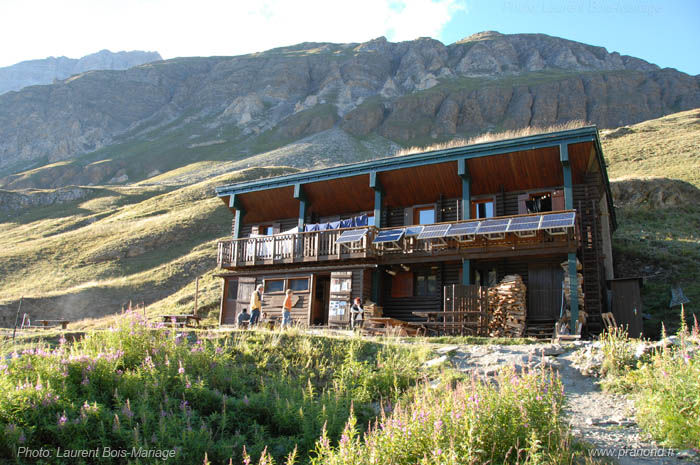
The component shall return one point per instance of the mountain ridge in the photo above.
(104, 126)
(47, 70)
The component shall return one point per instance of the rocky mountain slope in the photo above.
(48, 70)
(315, 103)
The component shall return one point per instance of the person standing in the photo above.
(287, 309)
(356, 314)
(256, 305)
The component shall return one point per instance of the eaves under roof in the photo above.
(551, 139)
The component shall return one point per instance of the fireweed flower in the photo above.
(180, 370)
(62, 420)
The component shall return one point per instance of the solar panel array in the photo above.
(389, 235)
(495, 226)
(352, 235)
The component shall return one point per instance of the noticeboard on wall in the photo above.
(341, 291)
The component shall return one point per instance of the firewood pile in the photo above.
(567, 286)
(507, 307)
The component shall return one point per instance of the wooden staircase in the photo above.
(592, 261)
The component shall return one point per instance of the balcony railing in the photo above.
(316, 246)
(292, 248)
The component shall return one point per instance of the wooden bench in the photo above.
(182, 320)
(53, 323)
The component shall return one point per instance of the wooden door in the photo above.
(246, 286)
(544, 291)
(229, 307)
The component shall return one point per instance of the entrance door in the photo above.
(340, 296)
(229, 308)
(544, 291)
(319, 306)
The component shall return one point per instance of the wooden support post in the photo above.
(301, 196)
(573, 292)
(235, 202)
(463, 172)
(196, 294)
(21, 299)
(376, 275)
(568, 184)
(376, 184)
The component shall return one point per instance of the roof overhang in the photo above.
(348, 185)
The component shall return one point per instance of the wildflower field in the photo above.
(268, 397)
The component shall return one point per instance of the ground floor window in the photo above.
(425, 283)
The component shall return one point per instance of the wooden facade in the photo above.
(553, 173)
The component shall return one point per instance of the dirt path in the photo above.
(604, 421)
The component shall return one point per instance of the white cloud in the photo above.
(36, 29)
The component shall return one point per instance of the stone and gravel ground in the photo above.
(603, 421)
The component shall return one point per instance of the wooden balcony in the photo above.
(313, 246)
(320, 246)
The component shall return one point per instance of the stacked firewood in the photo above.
(567, 286)
(507, 307)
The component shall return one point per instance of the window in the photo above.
(299, 284)
(426, 284)
(483, 208)
(266, 230)
(424, 215)
(370, 220)
(540, 202)
(274, 285)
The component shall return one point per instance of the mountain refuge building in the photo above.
(417, 233)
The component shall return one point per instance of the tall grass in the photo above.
(143, 386)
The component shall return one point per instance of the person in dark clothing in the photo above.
(356, 314)
(243, 318)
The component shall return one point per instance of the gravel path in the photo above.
(604, 421)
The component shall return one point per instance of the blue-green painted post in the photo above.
(568, 184)
(463, 172)
(235, 202)
(375, 184)
(301, 196)
(466, 272)
(569, 205)
(573, 291)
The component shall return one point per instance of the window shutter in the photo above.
(408, 216)
(558, 202)
(522, 208)
(402, 285)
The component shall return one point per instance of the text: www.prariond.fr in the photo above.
(632, 452)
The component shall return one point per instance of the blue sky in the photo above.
(665, 32)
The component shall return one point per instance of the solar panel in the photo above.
(558, 220)
(351, 236)
(389, 235)
(493, 226)
(463, 229)
(524, 223)
(434, 231)
(414, 231)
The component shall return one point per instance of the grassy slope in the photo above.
(93, 256)
(660, 243)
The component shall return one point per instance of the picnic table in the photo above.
(182, 320)
(452, 322)
(51, 323)
(386, 325)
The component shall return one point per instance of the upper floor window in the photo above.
(483, 208)
(266, 230)
(424, 215)
(540, 202)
